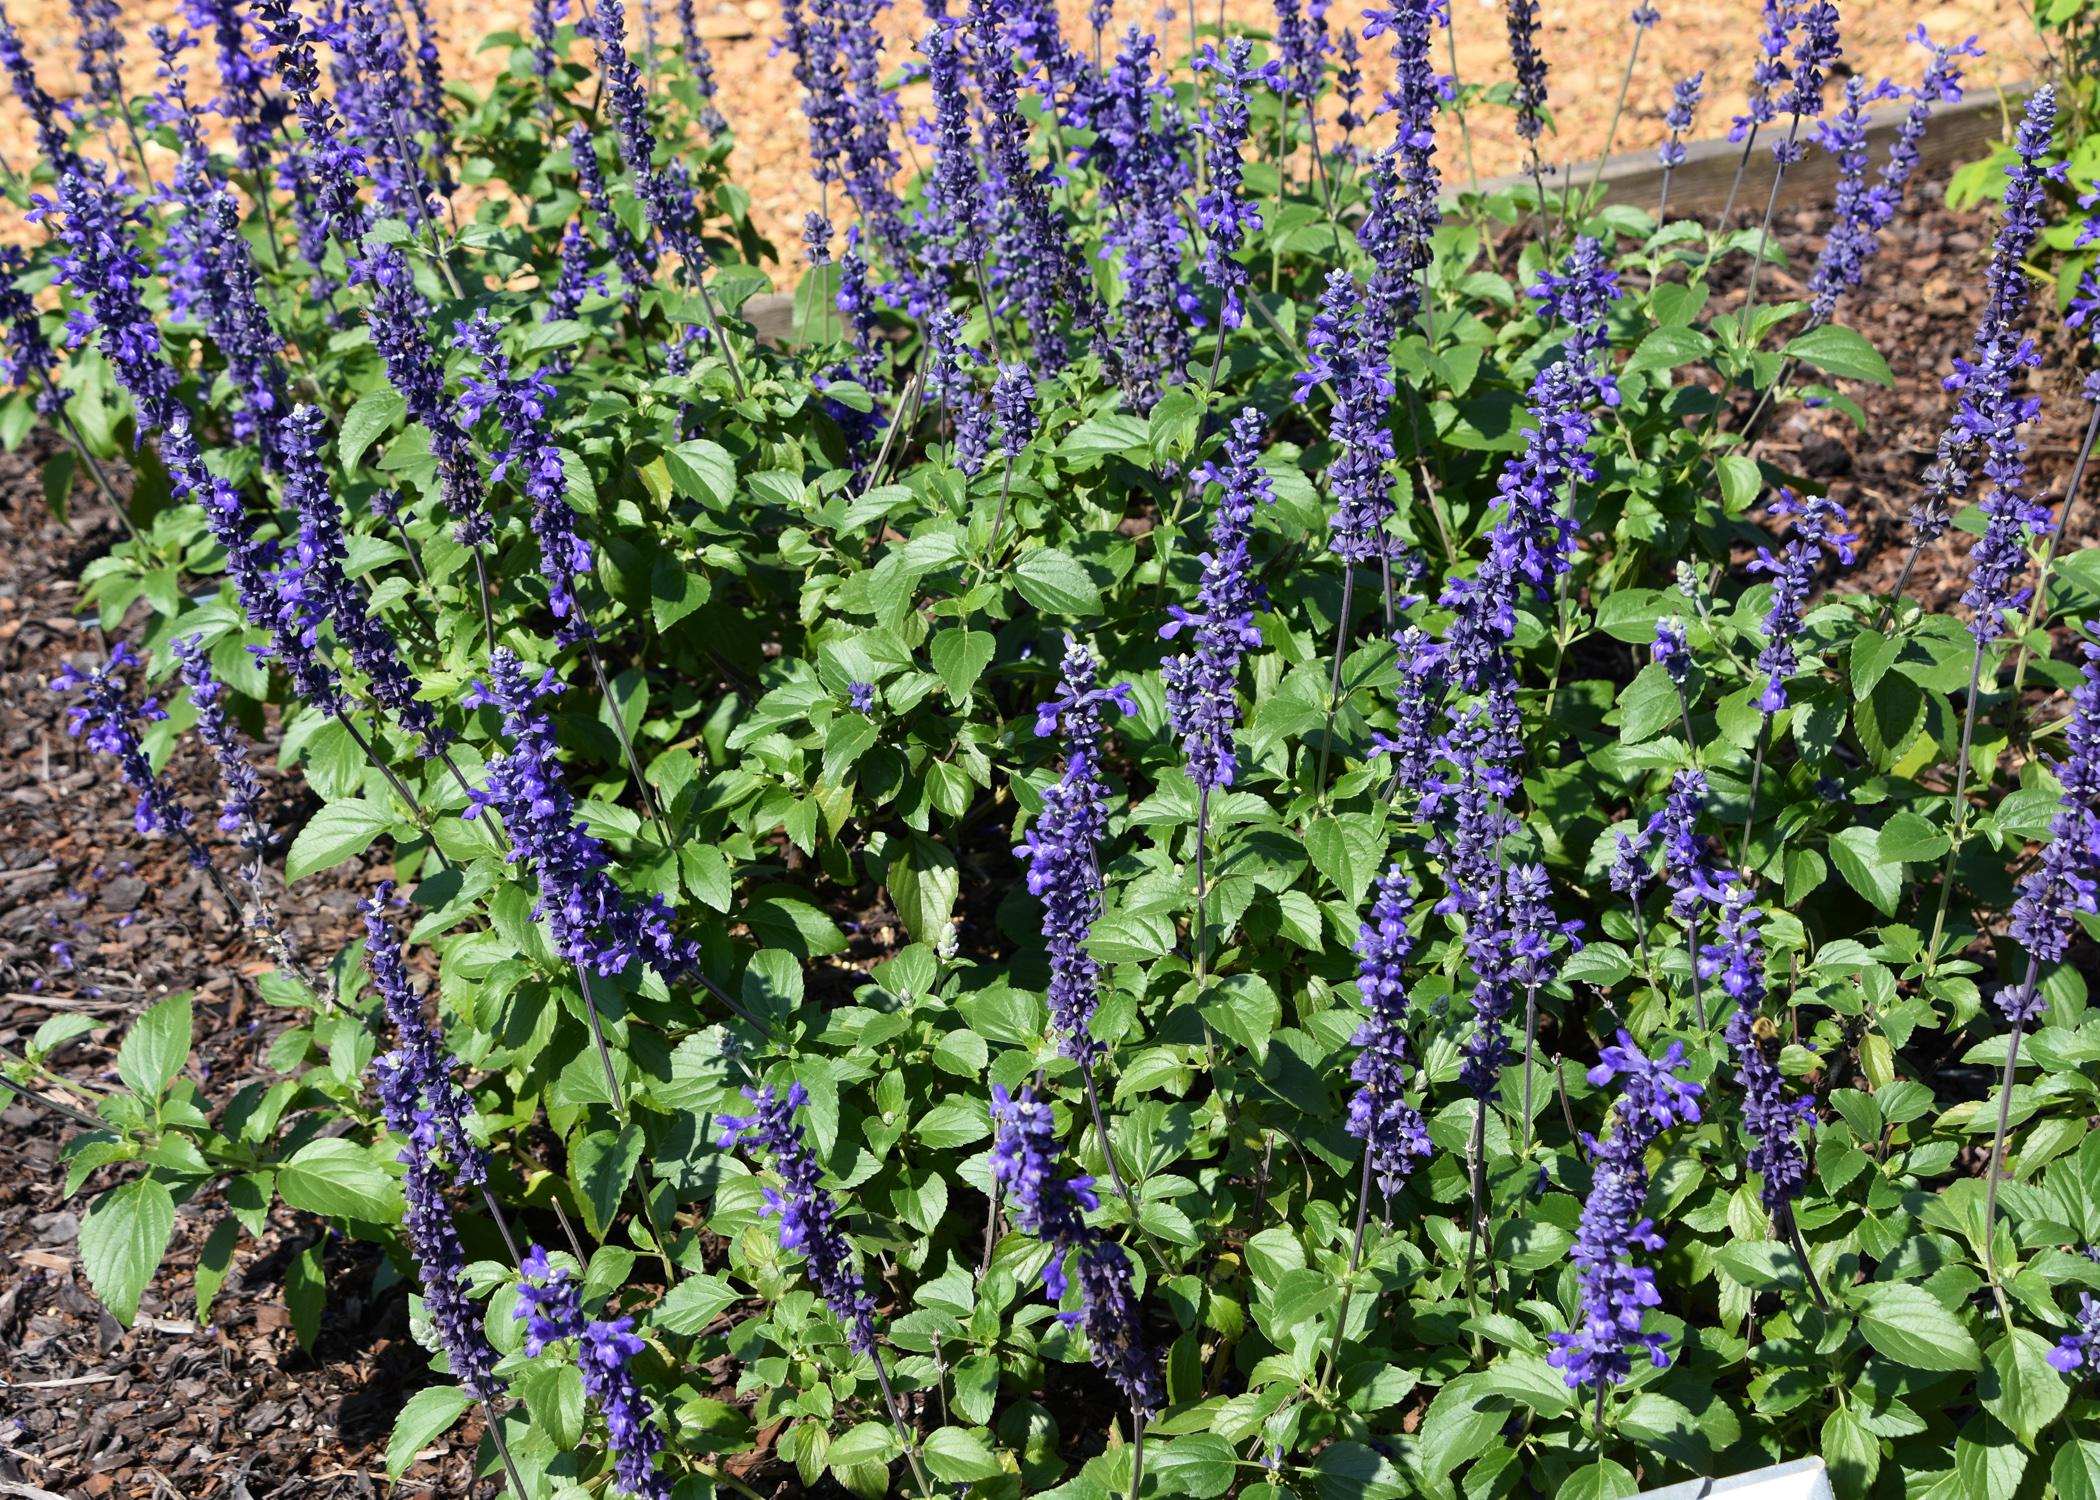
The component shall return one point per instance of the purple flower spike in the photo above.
(417, 1083)
(594, 921)
(524, 404)
(1203, 685)
(1687, 855)
(1616, 1291)
(1774, 1121)
(808, 1214)
(240, 788)
(108, 722)
(1053, 1208)
(1817, 526)
(1988, 416)
(1379, 1113)
(1345, 351)
(1062, 848)
(1684, 101)
(1529, 66)
(1226, 214)
(550, 1302)
(2065, 881)
(1403, 211)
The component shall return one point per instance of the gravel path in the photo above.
(1585, 43)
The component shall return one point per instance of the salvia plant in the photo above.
(1222, 829)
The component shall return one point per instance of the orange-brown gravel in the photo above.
(1585, 42)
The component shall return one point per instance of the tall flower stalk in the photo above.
(1773, 1121)
(1616, 1290)
(1986, 430)
(550, 1304)
(1203, 684)
(1817, 526)
(810, 1223)
(2063, 884)
(1684, 102)
(1062, 850)
(1053, 1208)
(597, 927)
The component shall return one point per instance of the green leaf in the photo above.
(1853, 1453)
(2021, 1388)
(1667, 348)
(425, 1416)
(1741, 480)
(676, 589)
(1872, 655)
(375, 414)
(2076, 1472)
(1836, 350)
(960, 656)
(600, 1167)
(553, 1393)
(122, 1239)
(156, 1049)
(339, 831)
(1602, 1480)
(923, 884)
(1054, 582)
(1857, 854)
(338, 1179)
(1906, 1323)
(1351, 1471)
(1333, 856)
(1907, 838)
(702, 470)
(214, 1262)
(693, 1304)
(1202, 1464)
(306, 1295)
(868, 1443)
(850, 736)
(957, 1456)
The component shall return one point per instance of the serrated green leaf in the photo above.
(338, 1178)
(1837, 350)
(156, 1047)
(424, 1417)
(122, 1240)
(1907, 1324)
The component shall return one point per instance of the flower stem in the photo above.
(1960, 807)
(590, 1014)
(1611, 132)
(1793, 1234)
(1994, 1165)
(634, 765)
(1356, 1255)
(1115, 1172)
(905, 1433)
(1531, 1031)
(494, 1419)
(1476, 1179)
(1202, 933)
(1137, 1457)
(1334, 684)
(1757, 776)
(2056, 537)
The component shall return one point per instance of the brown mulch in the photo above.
(95, 920)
